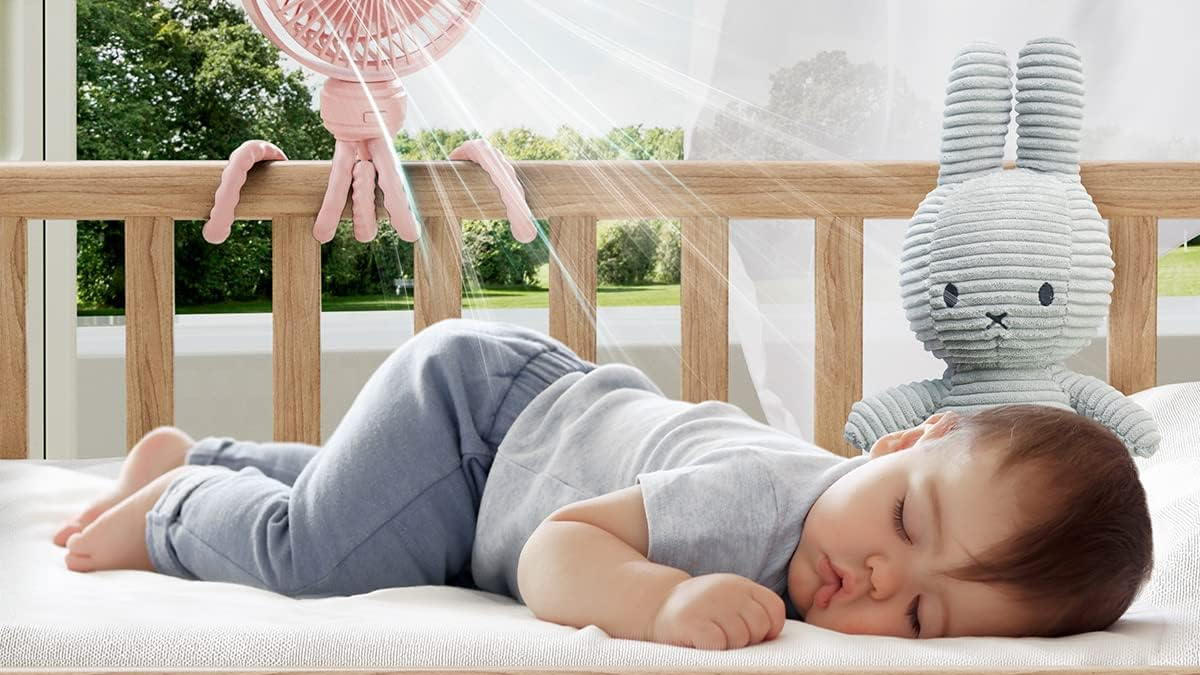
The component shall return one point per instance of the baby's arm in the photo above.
(586, 564)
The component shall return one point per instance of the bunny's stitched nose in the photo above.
(996, 318)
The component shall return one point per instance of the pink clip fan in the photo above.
(364, 47)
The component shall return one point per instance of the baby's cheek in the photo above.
(852, 622)
(850, 489)
(833, 506)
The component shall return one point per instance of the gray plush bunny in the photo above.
(1006, 273)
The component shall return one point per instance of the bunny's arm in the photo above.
(901, 407)
(1095, 399)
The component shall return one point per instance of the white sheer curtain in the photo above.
(865, 80)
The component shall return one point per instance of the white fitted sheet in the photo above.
(52, 617)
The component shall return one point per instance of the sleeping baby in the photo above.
(489, 456)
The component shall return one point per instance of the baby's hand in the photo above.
(718, 611)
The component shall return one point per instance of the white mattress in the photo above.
(52, 617)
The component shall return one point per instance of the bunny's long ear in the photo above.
(978, 110)
(1049, 106)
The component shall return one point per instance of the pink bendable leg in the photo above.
(520, 220)
(229, 191)
(365, 225)
(395, 196)
(335, 194)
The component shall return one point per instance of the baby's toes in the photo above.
(69, 528)
(80, 563)
(79, 557)
(85, 518)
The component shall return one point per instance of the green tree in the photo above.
(634, 142)
(183, 80)
(431, 144)
(492, 256)
(193, 79)
(667, 268)
(187, 80)
(631, 142)
(350, 267)
(523, 144)
(626, 252)
(823, 108)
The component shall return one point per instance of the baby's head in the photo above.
(1044, 530)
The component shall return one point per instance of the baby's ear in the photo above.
(935, 418)
(942, 422)
(897, 440)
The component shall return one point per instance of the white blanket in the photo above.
(52, 617)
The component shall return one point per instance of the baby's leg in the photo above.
(391, 498)
(282, 461)
(165, 448)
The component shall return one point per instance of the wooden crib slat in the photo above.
(573, 299)
(1133, 315)
(838, 363)
(149, 325)
(14, 375)
(704, 308)
(437, 279)
(296, 326)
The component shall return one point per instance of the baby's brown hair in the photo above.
(1088, 550)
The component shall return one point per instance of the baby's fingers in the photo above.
(708, 635)
(737, 633)
(757, 620)
(775, 609)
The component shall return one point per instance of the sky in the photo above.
(595, 64)
(1141, 61)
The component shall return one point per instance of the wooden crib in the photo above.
(150, 196)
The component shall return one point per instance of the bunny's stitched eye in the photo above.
(1046, 294)
(950, 295)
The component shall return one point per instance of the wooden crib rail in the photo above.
(150, 196)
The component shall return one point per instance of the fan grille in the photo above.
(375, 37)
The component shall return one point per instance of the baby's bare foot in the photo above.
(116, 540)
(158, 452)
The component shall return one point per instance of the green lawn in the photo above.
(1179, 272)
(502, 297)
(488, 298)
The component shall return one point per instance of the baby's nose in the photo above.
(996, 318)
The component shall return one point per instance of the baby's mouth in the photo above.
(831, 583)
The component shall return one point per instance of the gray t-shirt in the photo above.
(723, 492)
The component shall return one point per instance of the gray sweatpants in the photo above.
(390, 500)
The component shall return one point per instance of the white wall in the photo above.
(223, 364)
(223, 367)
